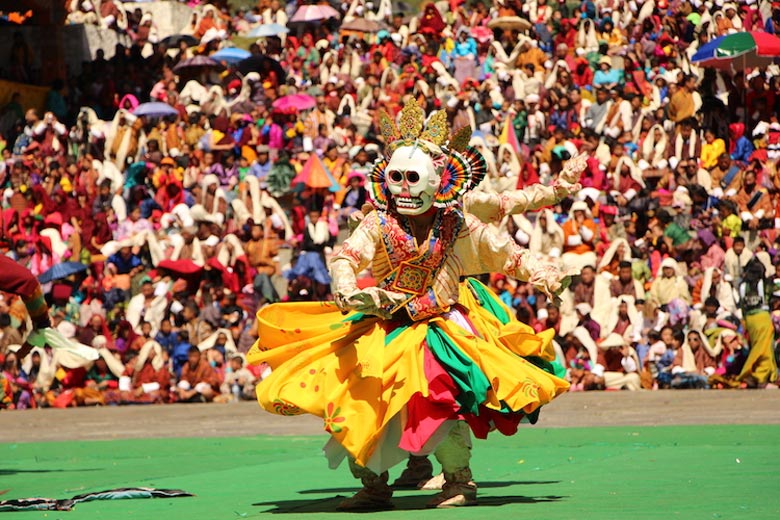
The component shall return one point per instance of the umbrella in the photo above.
(361, 25)
(315, 175)
(155, 109)
(183, 267)
(510, 22)
(267, 30)
(174, 40)
(62, 270)
(739, 51)
(314, 13)
(482, 34)
(230, 55)
(197, 61)
(263, 65)
(295, 102)
(400, 6)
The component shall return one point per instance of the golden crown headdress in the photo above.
(462, 168)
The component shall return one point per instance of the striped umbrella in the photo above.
(739, 51)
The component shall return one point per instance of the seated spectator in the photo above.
(580, 235)
(624, 284)
(740, 147)
(585, 321)
(198, 382)
(618, 364)
(711, 150)
(694, 363)
(239, 381)
(669, 285)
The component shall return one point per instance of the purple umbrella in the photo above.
(197, 61)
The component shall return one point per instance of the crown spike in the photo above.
(460, 139)
(412, 120)
(437, 129)
(388, 128)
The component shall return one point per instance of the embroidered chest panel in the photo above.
(413, 270)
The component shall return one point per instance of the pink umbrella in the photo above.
(295, 102)
(482, 34)
(314, 13)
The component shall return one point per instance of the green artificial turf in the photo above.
(687, 472)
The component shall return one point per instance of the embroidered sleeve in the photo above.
(482, 250)
(355, 255)
(492, 207)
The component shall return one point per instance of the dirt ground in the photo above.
(586, 409)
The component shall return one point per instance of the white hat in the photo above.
(613, 340)
(579, 206)
(58, 246)
(67, 329)
(669, 262)
(532, 98)
(211, 241)
(583, 308)
(588, 193)
(761, 128)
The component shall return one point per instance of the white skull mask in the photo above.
(412, 180)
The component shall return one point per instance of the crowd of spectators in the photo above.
(185, 225)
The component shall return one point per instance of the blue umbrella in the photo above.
(267, 30)
(154, 109)
(62, 270)
(230, 55)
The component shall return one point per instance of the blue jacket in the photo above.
(743, 150)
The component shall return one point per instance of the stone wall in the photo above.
(59, 50)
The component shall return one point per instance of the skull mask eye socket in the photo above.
(395, 177)
(412, 177)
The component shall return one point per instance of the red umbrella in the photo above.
(182, 267)
(315, 175)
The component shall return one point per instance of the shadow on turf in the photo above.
(6, 472)
(482, 485)
(402, 503)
